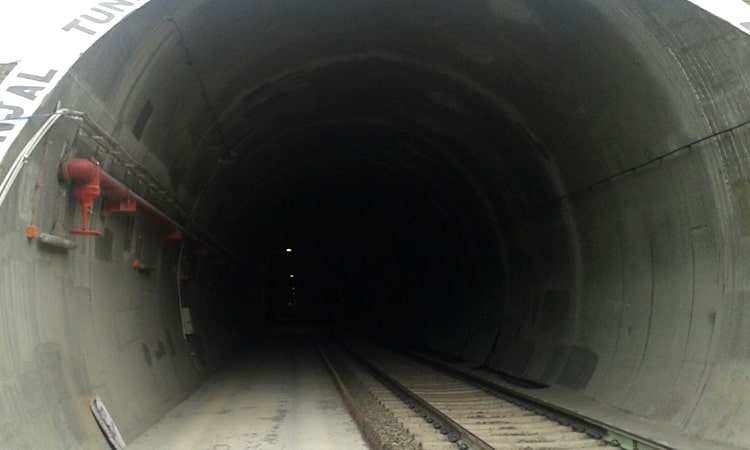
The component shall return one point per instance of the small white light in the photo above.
(291, 276)
(289, 250)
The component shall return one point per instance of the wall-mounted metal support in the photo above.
(122, 205)
(143, 268)
(137, 264)
(172, 235)
(56, 241)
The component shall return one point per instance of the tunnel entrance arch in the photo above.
(586, 232)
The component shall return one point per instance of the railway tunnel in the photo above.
(557, 191)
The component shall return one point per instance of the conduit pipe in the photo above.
(90, 181)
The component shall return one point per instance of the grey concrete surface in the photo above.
(278, 395)
(559, 190)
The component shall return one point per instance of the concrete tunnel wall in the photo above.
(483, 136)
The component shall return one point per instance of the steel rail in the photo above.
(469, 439)
(533, 403)
(368, 432)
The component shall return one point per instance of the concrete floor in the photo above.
(277, 396)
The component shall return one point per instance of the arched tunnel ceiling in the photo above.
(536, 65)
(503, 95)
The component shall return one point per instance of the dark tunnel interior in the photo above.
(397, 186)
(557, 191)
(379, 197)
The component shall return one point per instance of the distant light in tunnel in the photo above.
(291, 276)
(289, 250)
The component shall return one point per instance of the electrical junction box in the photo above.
(187, 321)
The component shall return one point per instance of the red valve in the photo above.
(86, 192)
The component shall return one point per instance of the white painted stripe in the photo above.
(54, 51)
(736, 12)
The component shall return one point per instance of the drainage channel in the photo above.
(440, 411)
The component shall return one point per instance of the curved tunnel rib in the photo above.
(419, 161)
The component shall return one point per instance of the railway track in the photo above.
(443, 412)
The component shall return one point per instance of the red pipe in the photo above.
(91, 180)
